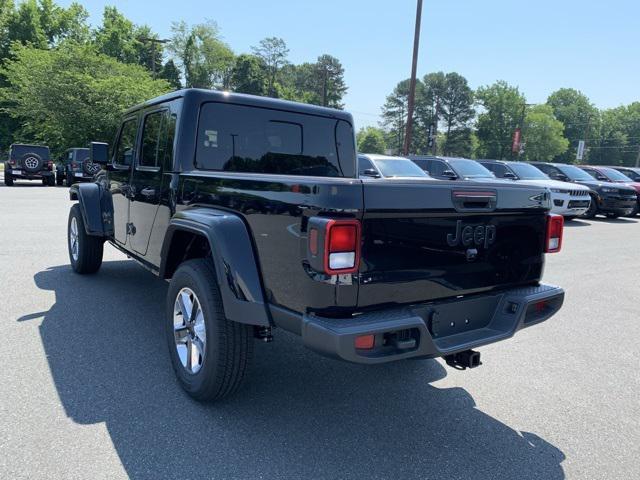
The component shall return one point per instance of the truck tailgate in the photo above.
(425, 241)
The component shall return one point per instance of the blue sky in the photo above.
(537, 45)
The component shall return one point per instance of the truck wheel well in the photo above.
(185, 246)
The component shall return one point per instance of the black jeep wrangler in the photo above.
(75, 166)
(28, 162)
(252, 209)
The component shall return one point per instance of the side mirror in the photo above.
(510, 176)
(99, 153)
(449, 174)
(370, 172)
(563, 178)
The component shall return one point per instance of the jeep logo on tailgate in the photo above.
(472, 235)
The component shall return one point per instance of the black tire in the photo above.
(45, 182)
(32, 162)
(68, 178)
(228, 347)
(59, 179)
(88, 257)
(593, 209)
(51, 181)
(8, 179)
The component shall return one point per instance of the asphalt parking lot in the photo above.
(87, 391)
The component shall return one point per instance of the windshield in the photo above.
(524, 171)
(615, 175)
(470, 169)
(399, 167)
(574, 173)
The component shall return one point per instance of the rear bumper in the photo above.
(29, 175)
(432, 330)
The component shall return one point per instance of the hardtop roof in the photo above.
(198, 95)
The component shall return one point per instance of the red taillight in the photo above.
(12, 162)
(555, 227)
(74, 165)
(50, 165)
(365, 342)
(342, 246)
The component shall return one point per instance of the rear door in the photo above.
(156, 153)
(120, 176)
(428, 242)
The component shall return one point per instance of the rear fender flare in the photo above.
(234, 259)
(96, 206)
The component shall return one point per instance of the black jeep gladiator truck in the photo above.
(75, 166)
(252, 208)
(28, 162)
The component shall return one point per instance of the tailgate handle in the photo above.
(479, 200)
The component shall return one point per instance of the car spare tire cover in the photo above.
(90, 168)
(32, 162)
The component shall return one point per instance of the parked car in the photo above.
(609, 199)
(28, 162)
(450, 168)
(608, 174)
(632, 172)
(384, 166)
(570, 202)
(364, 271)
(75, 166)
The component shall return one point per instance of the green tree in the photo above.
(394, 118)
(70, 95)
(207, 62)
(456, 111)
(579, 116)
(371, 140)
(274, 52)
(171, 74)
(115, 37)
(502, 107)
(248, 75)
(543, 135)
(329, 85)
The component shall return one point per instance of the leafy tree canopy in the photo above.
(71, 95)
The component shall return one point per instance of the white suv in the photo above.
(567, 199)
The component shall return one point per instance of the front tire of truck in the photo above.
(85, 251)
(209, 354)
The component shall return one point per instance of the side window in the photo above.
(70, 156)
(165, 151)
(364, 164)
(126, 142)
(498, 170)
(553, 172)
(240, 138)
(437, 168)
(158, 134)
(151, 132)
(422, 163)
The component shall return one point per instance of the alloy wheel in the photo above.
(73, 239)
(190, 333)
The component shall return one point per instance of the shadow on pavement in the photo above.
(298, 416)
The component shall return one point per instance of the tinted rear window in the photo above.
(238, 138)
(18, 151)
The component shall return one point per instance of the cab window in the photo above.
(126, 142)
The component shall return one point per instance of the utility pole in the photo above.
(638, 158)
(586, 133)
(154, 42)
(412, 84)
